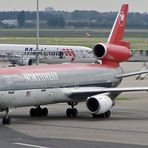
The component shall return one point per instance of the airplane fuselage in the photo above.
(45, 84)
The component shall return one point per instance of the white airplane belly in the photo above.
(22, 98)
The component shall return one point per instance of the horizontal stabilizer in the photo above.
(132, 74)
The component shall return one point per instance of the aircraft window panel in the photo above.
(43, 89)
(11, 92)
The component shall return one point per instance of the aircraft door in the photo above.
(61, 54)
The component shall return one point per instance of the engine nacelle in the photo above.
(22, 61)
(99, 104)
(112, 52)
(25, 61)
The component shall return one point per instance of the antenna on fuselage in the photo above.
(37, 33)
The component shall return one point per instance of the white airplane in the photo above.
(24, 54)
(143, 76)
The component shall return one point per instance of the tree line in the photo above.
(75, 19)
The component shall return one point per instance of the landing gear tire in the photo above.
(6, 121)
(38, 112)
(105, 115)
(45, 112)
(71, 112)
(108, 114)
(68, 112)
(74, 112)
(32, 112)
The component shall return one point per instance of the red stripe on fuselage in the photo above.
(51, 68)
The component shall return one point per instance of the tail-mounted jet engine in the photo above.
(111, 52)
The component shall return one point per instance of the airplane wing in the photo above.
(89, 91)
(132, 73)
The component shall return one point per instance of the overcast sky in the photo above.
(70, 5)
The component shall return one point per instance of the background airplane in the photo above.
(95, 84)
(23, 54)
(140, 55)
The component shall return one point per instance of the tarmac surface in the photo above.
(126, 128)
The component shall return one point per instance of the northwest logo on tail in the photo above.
(121, 19)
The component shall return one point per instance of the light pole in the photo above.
(37, 33)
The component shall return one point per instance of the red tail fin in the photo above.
(116, 50)
(117, 33)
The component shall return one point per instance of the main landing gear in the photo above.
(38, 112)
(72, 112)
(104, 115)
(6, 119)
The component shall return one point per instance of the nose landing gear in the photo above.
(6, 120)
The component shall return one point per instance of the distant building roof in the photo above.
(49, 9)
(10, 22)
